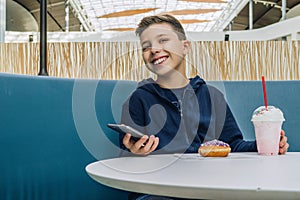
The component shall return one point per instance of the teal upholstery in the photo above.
(51, 128)
(245, 96)
(43, 155)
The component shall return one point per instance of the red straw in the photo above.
(265, 92)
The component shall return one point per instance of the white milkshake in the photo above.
(267, 125)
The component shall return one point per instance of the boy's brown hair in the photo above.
(158, 19)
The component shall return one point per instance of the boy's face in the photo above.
(163, 52)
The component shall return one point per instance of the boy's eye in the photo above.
(162, 40)
(146, 48)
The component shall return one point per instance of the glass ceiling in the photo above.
(124, 15)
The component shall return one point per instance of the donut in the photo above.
(214, 148)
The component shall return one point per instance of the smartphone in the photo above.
(121, 128)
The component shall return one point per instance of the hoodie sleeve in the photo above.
(232, 135)
(227, 126)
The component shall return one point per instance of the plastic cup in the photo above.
(267, 135)
(267, 126)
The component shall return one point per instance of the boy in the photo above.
(176, 113)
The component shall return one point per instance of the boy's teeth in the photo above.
(160, 60)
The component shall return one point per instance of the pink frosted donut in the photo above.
(214, 148)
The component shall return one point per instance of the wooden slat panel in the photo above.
(192, 12)
(206, 1)
(192, 21)
(119, 29)
(127, 13)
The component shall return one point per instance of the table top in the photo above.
(238, 176)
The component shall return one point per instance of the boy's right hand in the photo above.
(143, 146)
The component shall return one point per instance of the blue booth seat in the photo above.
(51, 128)
(43, 153)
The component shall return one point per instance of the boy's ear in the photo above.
(186, 46)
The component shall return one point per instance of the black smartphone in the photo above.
(121, 128)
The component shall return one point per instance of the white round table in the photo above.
(238, 176)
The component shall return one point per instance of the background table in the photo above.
(238, 176)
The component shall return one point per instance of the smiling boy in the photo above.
(176, 113)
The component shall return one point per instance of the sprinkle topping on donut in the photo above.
(215, 142)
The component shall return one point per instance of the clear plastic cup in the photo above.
(267, 126)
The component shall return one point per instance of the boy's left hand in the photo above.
(283, 145)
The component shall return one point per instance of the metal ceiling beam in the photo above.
(79, 13)
(50, 15)
(262, 14)
(50, 5)
(230, 15)
(270, 3)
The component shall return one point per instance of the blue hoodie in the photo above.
(182, 124)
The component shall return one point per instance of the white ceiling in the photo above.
(90, 12)
(21, 20)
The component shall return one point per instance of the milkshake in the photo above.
(267, 125)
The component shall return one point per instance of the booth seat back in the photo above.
(49, 132)
(245, 96)
(51, 128)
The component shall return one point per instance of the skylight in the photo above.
(124, 15)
